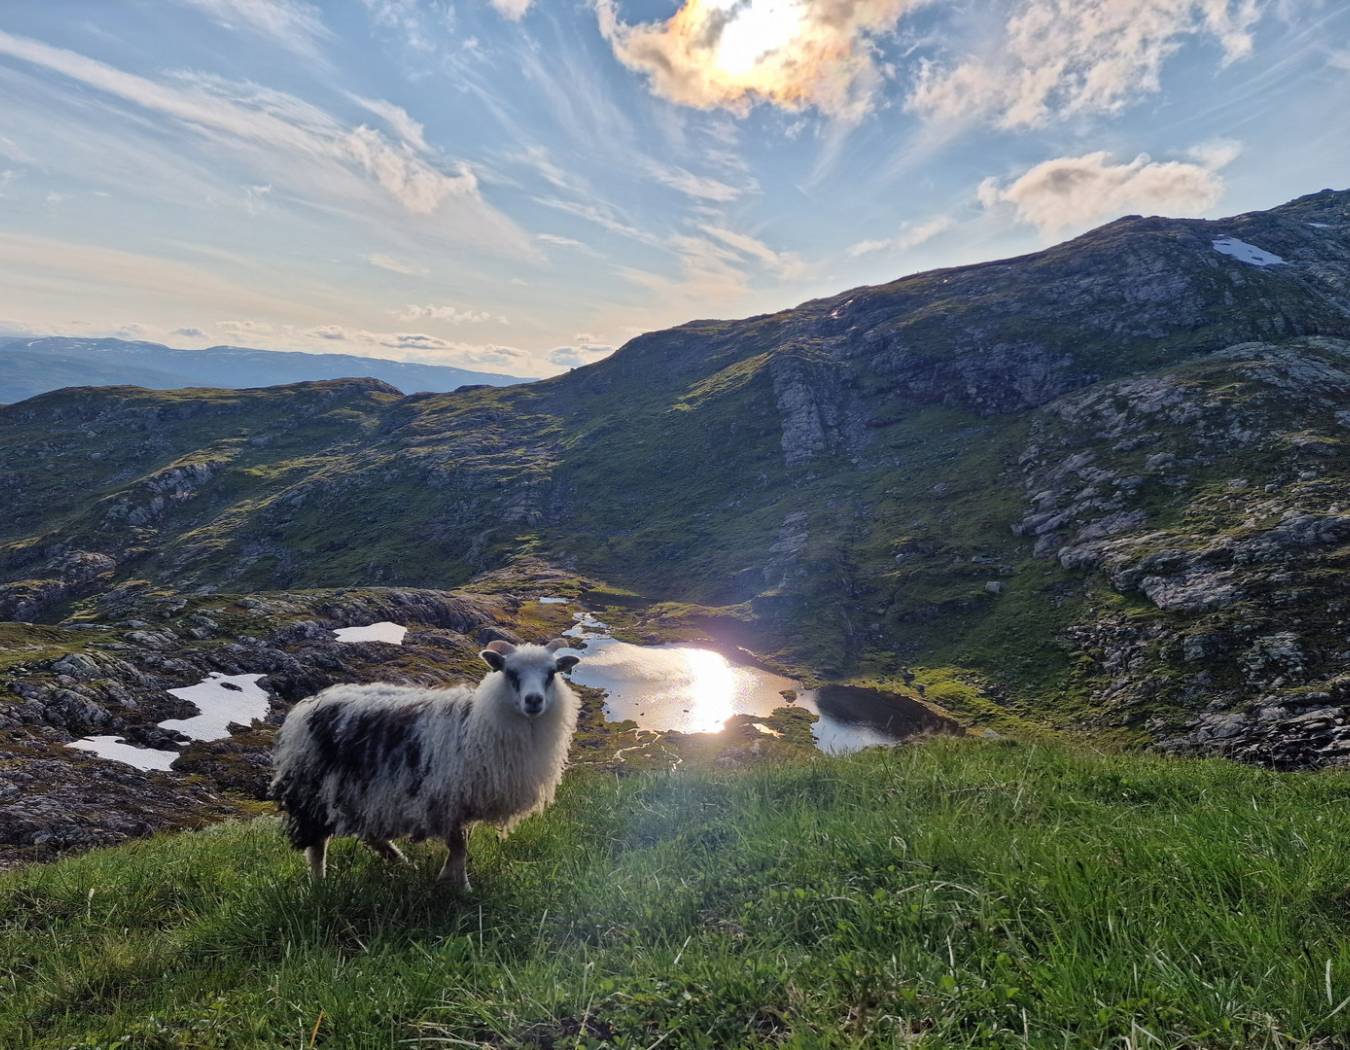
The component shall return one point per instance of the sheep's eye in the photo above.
(551, 672)
(513, 678)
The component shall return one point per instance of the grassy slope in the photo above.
(953, 894)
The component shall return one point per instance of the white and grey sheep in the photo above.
(382, 762)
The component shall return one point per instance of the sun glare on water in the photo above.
(711, 689)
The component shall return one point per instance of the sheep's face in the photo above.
(531, 673)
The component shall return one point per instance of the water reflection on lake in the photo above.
(696, 690)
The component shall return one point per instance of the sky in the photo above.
(521, 186)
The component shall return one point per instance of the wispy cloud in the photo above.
(396, 265)
(399, 121)
(1057, 58)
(292, 24)
(911, 235)
(554, 241)
(785, 264)
(293, 142)
(1069, 193)
(699, 187)
(600, 214)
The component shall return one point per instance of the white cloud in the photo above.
(911, 235)
(189, 333)
(585, 349)
(419, 346)
(245, 327)
(1339, 59)
(1068, 57)
(795, 54)
(1076, 192)
(449, 314)
(1216, 154)
(394, 265)
(512, 9)
(292, 24)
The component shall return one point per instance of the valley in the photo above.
(1102, 491)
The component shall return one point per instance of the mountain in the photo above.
(31, 366)
(1105, 485)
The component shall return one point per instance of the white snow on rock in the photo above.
(550, 600)
(221, 699)
(384, 631)
(1244, 252)
(115, 749)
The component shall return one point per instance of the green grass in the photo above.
(955, 894)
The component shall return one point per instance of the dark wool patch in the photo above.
(363, 744)
(306, 821)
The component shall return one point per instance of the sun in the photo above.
(754, 30)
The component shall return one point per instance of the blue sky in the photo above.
(521, 185)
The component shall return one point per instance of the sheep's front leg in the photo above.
(454, 872)
(317, 856)
(386, 850)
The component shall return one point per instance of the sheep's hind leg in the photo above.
(317, 855)
(454, 872)
(386, 850)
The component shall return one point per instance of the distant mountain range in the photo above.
(31, 366)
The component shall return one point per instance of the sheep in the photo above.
(382, 761)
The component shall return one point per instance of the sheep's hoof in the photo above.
(457, 884)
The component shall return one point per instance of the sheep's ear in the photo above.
(566, 663)
(493, 659)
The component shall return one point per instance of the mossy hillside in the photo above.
(72, 446)
(676, 469)
(954, 894)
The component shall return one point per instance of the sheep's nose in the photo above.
(534, 703)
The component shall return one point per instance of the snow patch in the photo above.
(115, 749)
(549, 600)
(1244, 252)
(384, 631)
(220, 699)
